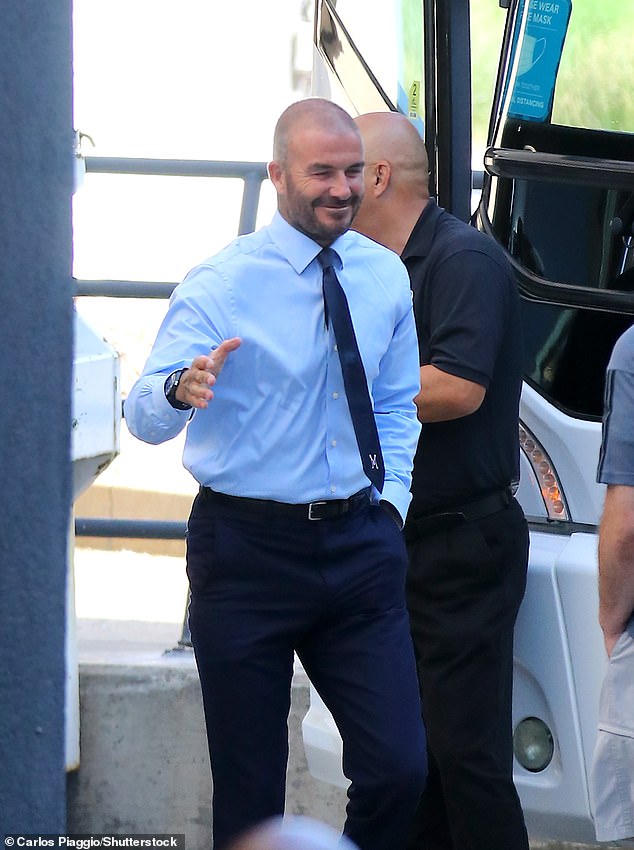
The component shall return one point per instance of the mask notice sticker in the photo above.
(537, 47)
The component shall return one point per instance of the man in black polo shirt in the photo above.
(467, 536)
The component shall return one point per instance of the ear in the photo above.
(276, 176)
(381, 177)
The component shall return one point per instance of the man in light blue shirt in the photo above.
(290, 548)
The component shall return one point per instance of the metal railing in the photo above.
(253, 175)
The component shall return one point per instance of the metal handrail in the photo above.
(124, 288)
(253, 175)
(138, 529)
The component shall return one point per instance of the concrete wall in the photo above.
(144, 764)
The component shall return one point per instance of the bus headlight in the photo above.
(533, 744)
(545, 473)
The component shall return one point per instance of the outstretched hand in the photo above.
(196, 384)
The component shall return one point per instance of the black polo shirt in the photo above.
(467, 317)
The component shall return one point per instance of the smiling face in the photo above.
(319, 177)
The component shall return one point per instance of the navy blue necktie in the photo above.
(354, 378)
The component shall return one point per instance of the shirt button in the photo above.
(336, 349)
(333, 443)
(335, 395)
(333, 489)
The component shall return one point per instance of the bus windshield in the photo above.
(570, 65)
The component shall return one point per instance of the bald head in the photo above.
(317, 169)
(306, 116)
(396, 178)
(391, 136)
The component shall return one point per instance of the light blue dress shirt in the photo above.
(278, 426)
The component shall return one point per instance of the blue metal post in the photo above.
(36, 166)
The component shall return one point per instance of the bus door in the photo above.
(405, 55)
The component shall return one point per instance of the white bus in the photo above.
(558, 196)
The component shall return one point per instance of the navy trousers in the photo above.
(264, 587)
(465, 587)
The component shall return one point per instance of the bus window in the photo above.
(595, 75)
(559, 188)
(592, 72)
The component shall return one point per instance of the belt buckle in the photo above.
(310, 509)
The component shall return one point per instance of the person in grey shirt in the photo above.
(612, 773)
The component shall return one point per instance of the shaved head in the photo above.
(317, 169)
(309, 114)
(396, 178)
(393, 137)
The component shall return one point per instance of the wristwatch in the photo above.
(169, 388)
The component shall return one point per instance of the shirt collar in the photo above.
(421, 238)
(300, 250)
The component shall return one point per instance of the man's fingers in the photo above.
(220, 354)
(231, 344)
(213, 362)
(196, 383)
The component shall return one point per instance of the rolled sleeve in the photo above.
(616, 461)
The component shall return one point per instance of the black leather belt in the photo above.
(422, 525)
(324, 509)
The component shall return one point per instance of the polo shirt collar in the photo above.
(422, 236)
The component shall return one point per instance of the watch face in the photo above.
(172, 383)
(169, 388)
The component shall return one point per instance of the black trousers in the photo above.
(464, 588)
(333, 590)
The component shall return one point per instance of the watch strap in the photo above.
(169, 388)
